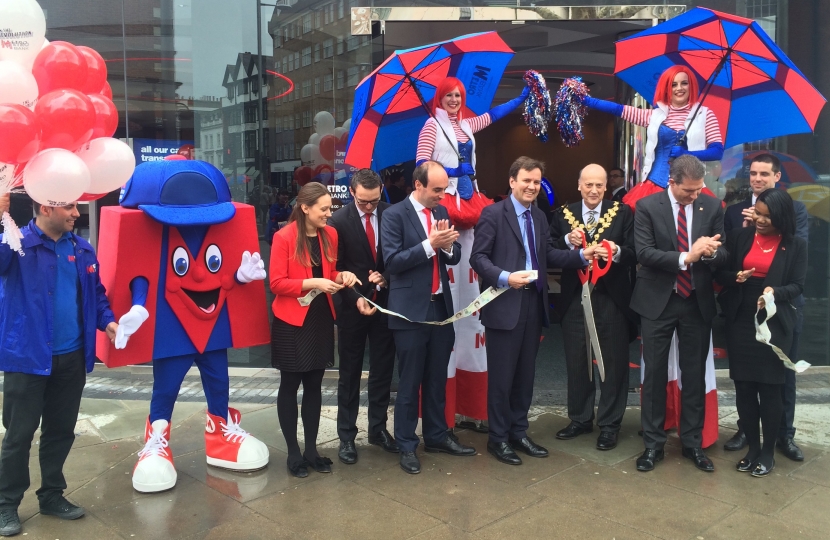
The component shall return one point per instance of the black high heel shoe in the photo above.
(762, 470)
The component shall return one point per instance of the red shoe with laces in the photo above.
(155, 471)
(230, 447)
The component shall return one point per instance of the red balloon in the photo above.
(67, 119)
(91, 196)
(344, 140)
(59, 65)
(323, 171)
(106, 116)
(327, 143)
(303, 175)
(96, 70)
(20, 135)
(106, 91)
(175, 157)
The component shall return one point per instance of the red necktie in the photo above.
(435, 279)
(684, 277)
(370, 235)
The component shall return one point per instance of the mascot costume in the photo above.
(181, 260)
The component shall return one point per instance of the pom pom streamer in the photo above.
(570, 110)
(537, 107)
(11, 234)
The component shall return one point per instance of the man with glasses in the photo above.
(51, 304)
(360, 252)
(616, 183)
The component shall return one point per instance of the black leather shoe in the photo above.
(321, 464)
(347, 453)
(503, 452)
(385, 440)
(9, 522)
(410, 463)
(607, 440)
(451, 446)
(651, 456)
(789, 449)
(737, 442)
(529, 447)
(61, 508)
(701, 461)
(298, 468)
(762, 470)
(573, 431)
(745, 465)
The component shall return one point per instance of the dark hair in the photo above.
(768, 158)
(617, 169)
(309, 195)
(685, 167)
(367, 178)
(421, 172)
(525, 163)
(781, 211)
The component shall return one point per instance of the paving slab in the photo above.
(742, 524)
(810, 510)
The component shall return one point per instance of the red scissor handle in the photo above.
(593, 271)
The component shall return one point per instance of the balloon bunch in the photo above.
(56, 115)
(570, 110)
(537, 107)
(318, 155)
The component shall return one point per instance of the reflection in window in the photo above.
(328, 48)
(307, 88)
(340, 45)
(341, 11)
(316, 85)
(307, 56)
(316, 52)
(306, 119)
(340, 77)
(354, 75)
(327, 83)
(306, 23)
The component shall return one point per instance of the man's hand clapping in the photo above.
(442, 235)
(705, 246)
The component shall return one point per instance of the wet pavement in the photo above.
(577, 492)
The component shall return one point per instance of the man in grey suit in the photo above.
(677, 238)
(512, 242)
(418, 244)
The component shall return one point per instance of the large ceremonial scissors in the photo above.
(589, 278)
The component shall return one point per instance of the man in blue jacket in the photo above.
(51, 303)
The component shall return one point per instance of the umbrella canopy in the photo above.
(393, 102)
(755, 91)
(793, 170)
(816, 198)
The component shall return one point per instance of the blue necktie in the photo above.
(531, 243)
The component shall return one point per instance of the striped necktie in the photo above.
(684, 277)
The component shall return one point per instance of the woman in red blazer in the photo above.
(303, 259)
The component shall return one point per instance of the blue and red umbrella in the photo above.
(393, 102)
(755, 91)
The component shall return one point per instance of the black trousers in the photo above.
(351, 344)
(693, 334)
(511, 368)
(51, 401)
(612, 329)
(423, 357)
(787, 429)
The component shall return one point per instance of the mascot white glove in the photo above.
(252, 268)
(128, 324)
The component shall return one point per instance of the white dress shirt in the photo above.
(373, 220)
(430, 253)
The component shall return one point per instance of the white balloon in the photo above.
(315, 139)
(339, 132)
(56, 177)
(110, 163)
(6, 176)
(324, 123)
(23, 28)
(310, 155)
(347, 125)
(17, 84)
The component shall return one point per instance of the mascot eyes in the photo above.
(213, 258)
(181, 261)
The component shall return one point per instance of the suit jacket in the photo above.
(786, 276)
(498, 247)
(734, 219)
(287, 274)
(616, 283)
(355, 255)
(655, 240)
(410, 271)
(618, 196)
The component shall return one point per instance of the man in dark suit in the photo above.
(597, 220)
(511, 243)
(418, 244)
(764, 174)
(677, 237)
(616, 183)
(360, 252)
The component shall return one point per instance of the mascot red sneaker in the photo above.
(182, 263)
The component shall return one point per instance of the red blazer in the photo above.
(287, 274)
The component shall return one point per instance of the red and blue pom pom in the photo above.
(570, 110)
(537, 107)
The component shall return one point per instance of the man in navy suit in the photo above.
(512, 243)
(418, 244)
(764, 174)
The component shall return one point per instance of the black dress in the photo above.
(749, 359)
(310, 346)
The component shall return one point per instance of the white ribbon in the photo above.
(763, 335)
(12, 234)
